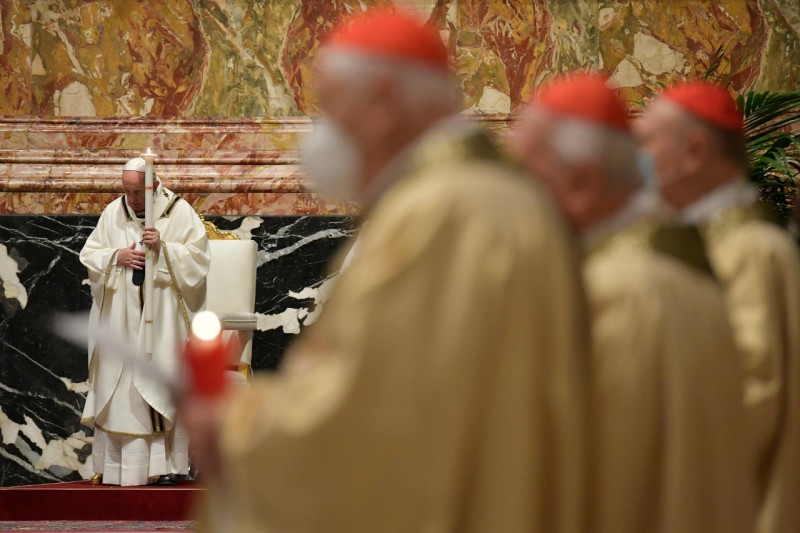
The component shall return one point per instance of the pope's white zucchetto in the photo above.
(136, 164)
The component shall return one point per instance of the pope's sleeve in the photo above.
(99, 257)
(185, 250)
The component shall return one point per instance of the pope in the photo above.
(442, 387)
(693, 131)
(668, 454)
(136, 437)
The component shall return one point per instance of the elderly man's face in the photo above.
(349, 104)
(661, 132)
(530, 143)
(133, 184)
(578, 188)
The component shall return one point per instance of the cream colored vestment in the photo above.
(669, 455)
(759, 266)
(443, 388)
(134, 418)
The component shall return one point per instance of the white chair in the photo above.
(231, 292)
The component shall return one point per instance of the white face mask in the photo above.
(331, 161)
(647, 169)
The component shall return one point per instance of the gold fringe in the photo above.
(108, 268)
(135, 435)
(176, 288)
(105, 278)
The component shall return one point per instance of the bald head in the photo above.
(692, 156)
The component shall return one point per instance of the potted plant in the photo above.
(771, 127)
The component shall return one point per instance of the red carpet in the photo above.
(115, 526)
(82, 501)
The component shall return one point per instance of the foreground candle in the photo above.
(206, 356)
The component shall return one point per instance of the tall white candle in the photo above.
(148, 156)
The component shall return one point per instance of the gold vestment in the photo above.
(443, 387)
(668, 456)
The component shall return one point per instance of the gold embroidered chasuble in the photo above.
(759, 266)
(669, 455)
(443, 387)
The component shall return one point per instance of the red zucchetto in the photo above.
(708, 102)
(390, 34)
(587, 97)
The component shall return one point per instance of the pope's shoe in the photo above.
(168, 480)
(96, 479)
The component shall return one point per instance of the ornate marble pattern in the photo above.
(96, 525)
(211, 203)
(15, 58)
(42, 380)
(222, 167)
(245, 59)
(645, 43)
(195, 81)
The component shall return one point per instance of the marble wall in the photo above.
(43, 380)
(245, 58)
(222, 88)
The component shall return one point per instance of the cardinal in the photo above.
(442, 388)
(694, 133)
(667, 455)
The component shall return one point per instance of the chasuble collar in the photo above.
(735, 194)
(728, 207)
(163, 202)
(439, 141)
(645, 223)
(644, 204)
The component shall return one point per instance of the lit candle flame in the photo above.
(206, 326)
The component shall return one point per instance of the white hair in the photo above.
(576, 142)
(421, 88)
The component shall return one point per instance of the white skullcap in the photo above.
(136, 164)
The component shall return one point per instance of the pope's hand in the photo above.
(152, 238)
(130, 258)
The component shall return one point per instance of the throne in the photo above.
(231, 292)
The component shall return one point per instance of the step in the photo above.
(82, 501)
(106, 526)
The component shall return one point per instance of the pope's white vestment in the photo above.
(136, 436)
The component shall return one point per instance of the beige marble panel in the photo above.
(780, 70)
(116, 57)
(15, 58)
(645, 44)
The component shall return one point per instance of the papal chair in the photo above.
(231, 292)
